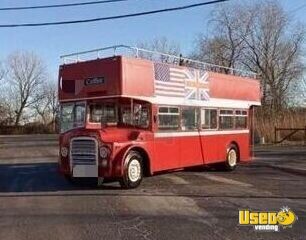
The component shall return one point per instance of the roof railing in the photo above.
(153, 56)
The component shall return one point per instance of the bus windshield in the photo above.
(115, 114)
(72, 116)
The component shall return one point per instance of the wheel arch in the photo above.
(142, 151)
(145, 156)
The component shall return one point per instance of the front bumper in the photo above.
(85, 171)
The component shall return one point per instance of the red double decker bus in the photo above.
(126, 117)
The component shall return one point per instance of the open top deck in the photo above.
(155, 77)
(129, 51)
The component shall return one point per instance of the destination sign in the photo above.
(94, 81)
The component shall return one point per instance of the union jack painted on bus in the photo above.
(196, 84)
(189, 83)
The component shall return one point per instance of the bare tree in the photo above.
(162, 45)
(274, 48)
(26, 74)
(2, 72)
(259, 37)
(297, 93)
(224, 42)
(47, 107)
(303, 92)
(6, 117)
(6, 111)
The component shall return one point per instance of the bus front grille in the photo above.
(83, 151)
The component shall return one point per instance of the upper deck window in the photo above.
(168, 118)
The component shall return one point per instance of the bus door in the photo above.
(190, 141)
(211, 147)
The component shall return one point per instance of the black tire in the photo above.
(232, 158)
(133, 171)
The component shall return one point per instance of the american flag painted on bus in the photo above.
(169, 81)
(188, 83)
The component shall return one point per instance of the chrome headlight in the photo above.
(104, 152)
(64, 151)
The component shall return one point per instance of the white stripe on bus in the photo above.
(201, 133)
(179, 101)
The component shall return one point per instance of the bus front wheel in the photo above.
(133, 170)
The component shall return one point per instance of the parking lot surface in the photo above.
(37, 203)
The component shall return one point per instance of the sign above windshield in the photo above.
(94, 81)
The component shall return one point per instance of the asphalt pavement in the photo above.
(201, 203)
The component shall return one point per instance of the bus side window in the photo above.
(79, 115)
(126, 116)
(209, 118)
(226, 119)
(141, 115)
(103, 113)
(168, 118)
(189, 119)
(241, 119)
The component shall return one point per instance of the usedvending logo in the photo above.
(267, 220)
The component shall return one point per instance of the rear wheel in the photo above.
(133, 170)
(231, 159)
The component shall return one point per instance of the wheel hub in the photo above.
(232, 158)
(134, 170)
